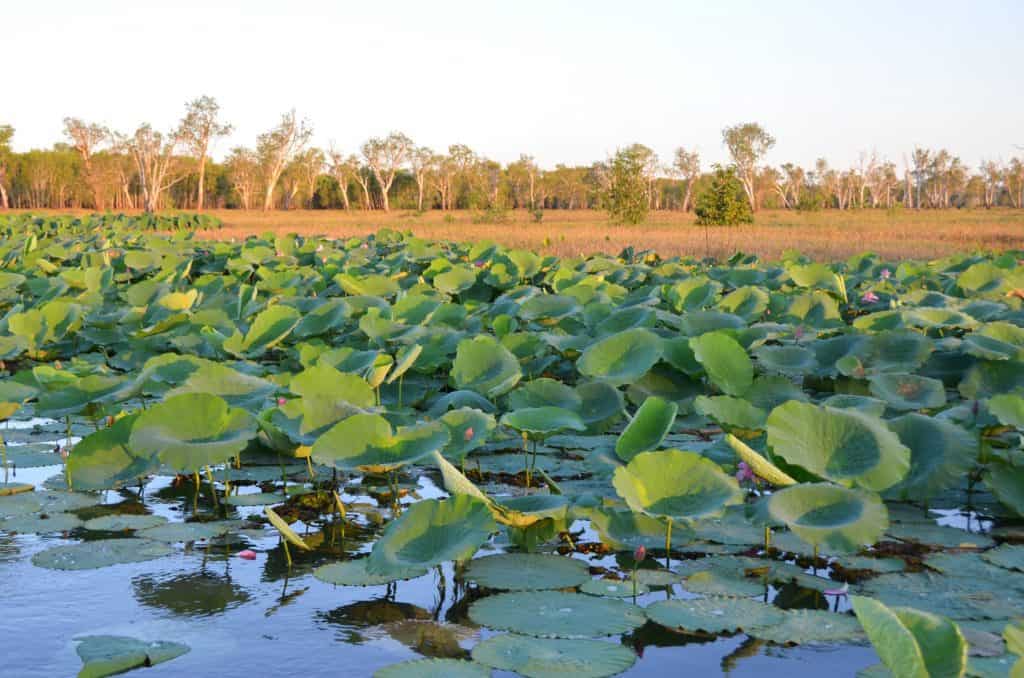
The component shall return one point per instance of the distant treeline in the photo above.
(97, 168)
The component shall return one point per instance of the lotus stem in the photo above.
(400, 380)
(3, 455)
(309, 468)
(668, 545)
(213, 488)
(767, 539)
(287, 553)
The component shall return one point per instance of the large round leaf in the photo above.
(110, 655)
(527, 572)
(555, 614)
(543, 421)
(431, 532)
(434, 668)
(104, 459)
(468, 429)
(728, 366)
(100, 553)
(714, 615)
(842, 445)
(908, 391)
(548, 657)
(621, 358)
(830, 516)
(649, 426)
(190, 431)
(268, 329)
(675, 484)
(941, 454)
(485, 366)
(366, 442)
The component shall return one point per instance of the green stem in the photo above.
(287, 553)
(668, 545)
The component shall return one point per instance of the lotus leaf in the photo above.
(675, 484)
(485, 366)
(831, 516)
(367, 442)
(109, 655)
(527, 572)
(912, 643)
(728, 366)
(354, 573)
(434, 668)
(550, 657)
(621, 358)
(715, 615)
(555, 614)
(648, 428)
(100, 553)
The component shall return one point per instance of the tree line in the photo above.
(95, 167)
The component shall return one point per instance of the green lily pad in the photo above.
(255, 499)
(939, 535)
(789, 360)
(555, 614)
(551, 657)
(912, 643)
(186, 532)
(625, 530)
(716, 584)
(40, 523)
(468, 429)
(1008, 556)
(941, 454)
(104, 459)
(268, 329)
(613, 588)
(728, 366)
(110, 655)
(367, 442)
(621, 358)
(354, 573)
(842, 445)
(527, 572)
(123, 523)
(715, 615)
(834, 517)
(434, 668)
(648, 428)
(485, 366)
(543, 421)
(675, 484)
(90, 555)
(811, 627)
(731, 412)
(908, 391)
(431, 532)
(190, 431)
(1007, 483)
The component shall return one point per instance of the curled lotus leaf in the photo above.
(676, 484)
(844, 446)
(726, 362)
(189, 431)
(648, 428)
(269, 328)
(468, 429)
(485, 366)
(830, 516)
(543, 421)
(367, 442)
(941, 454)
(431, 532)
(621, 358)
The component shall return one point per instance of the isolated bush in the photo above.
(491, 215)
(723, 202)
(811, 200)
(538, 214)
(625, 197)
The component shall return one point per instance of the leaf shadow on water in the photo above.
(191, 594)
(352, 621)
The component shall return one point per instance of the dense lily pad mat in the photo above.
(372, 412)
(109, 655)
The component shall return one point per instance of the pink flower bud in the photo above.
(885, 274)
(640, 553)
(869, 297)
(468, 435)
(247, 554)
(281, 402)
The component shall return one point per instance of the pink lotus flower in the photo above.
(281, 402)
(640, 553)
(885, 274)
(479, 263)
(247, 554)
(744, 473)
(798, 333)
(868, 297)
(468, 434)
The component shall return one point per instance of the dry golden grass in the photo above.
(825, 235)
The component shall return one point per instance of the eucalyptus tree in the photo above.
(420, 162)
(87, 139)
(747, 143)
(199, 128)
(343, 168)
(244, 174)
(277, 147)
(385, 156)
(687, 166)
(624, 195)
(155, 162)
(6, 132)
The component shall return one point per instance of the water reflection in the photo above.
(194, 594)
(353, 620)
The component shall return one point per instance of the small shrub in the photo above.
(538, 214)
(723, 203)
(491, 215)
(449, 219)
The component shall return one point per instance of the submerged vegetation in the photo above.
(810, 453)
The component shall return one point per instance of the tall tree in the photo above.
(6, 133)
(420, 162)
(625, 195)
(343, 169)
(385, 156)
(86, 138)
(687, 165)
(243, 173)
(153, 153)
(277, 147)
(747, 143)
(199, 128)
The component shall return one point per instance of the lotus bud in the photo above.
(281, 402)
(885, 274)
(247, 554)
(869, 297)
(468, 435)
(640, 553)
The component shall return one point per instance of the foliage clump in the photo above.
(722, 203)
(625, 193)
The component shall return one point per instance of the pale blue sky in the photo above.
(565, 81)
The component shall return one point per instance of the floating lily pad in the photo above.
(941, 453)
(554, 614)
(658, 577)
(527, 572)
(434, 668)
(90, 555)
(40, 523)
(550, 657)
(485, 366)
(367, 442)
(811, 627)
(186, 532)
(716, 584)
(122, 523)
(255, 499)
(715, 615)
(353, 573)
(621, 358)
(109, 655)
(613, 588)
(939, 535)
(908, 391)
(1008, 556)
